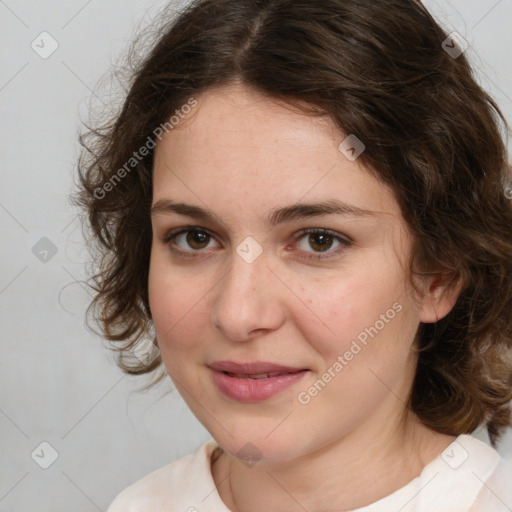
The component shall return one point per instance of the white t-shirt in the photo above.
(469, 476)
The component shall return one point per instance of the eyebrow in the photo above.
(275, 216)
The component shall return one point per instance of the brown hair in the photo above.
(378, 68)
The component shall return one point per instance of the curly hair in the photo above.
(380, 69)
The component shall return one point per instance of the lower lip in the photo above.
(254, 390)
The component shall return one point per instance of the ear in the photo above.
(439, 297)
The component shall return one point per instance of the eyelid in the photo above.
(183, 229)
(325, 231)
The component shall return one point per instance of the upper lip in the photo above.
(252, 368)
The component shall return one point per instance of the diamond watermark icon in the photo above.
(249, 454)
(455, 455)
(351, 147)
(454, 45)
(44, 455)
(249, 249)
(146, 351)
(44, 250)
(44, 45)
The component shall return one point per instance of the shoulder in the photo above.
(496, 495)
(169, 487)
(457, 477)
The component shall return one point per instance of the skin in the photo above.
(240, 155)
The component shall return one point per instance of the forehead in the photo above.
(240, 150)
(243, 121)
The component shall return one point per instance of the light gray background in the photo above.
(57, 381)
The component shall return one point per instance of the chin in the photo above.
(255, 445)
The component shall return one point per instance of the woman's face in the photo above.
(251, 286)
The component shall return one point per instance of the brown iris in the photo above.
(196, 237)
(321, 238)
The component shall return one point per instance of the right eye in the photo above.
(194, 237)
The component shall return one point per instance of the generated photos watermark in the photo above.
(304, 397)
(101, 192)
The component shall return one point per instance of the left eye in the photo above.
(321, 240)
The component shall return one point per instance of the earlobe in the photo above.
(439, 297)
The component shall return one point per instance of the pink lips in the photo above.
(234, 379)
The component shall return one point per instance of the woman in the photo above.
(307, 202)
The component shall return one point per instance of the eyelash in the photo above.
(313, 256)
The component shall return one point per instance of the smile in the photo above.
(255, 387)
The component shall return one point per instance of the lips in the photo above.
(254, 381)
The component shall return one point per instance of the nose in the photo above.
(250, 299)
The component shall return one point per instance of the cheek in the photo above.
(362, 306)
(178, 306)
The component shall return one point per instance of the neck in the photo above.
(356, 470)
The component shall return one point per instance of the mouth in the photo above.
(258, 375)
(254, 381)
(254, 369)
